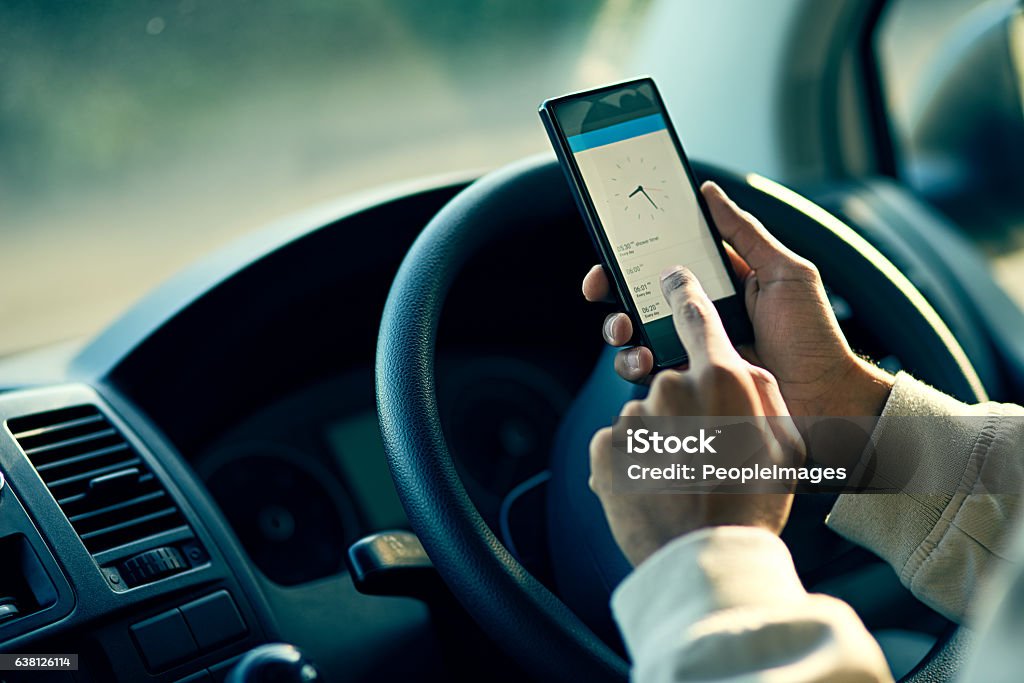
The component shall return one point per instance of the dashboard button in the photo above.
(164, 640)
(214, 620)
(152, 565)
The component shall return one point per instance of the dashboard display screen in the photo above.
(359, 453)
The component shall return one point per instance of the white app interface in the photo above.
(648, 208)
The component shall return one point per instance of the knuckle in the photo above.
(666, 382)
(806, 269)
(600, 443)
(693, 311)
(634, 408)
(749, 218)
(763, 376)
(721, 375)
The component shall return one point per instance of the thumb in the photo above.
(751, 240)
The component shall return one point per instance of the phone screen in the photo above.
(645, 201)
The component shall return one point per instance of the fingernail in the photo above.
(609, 324)
(674, 277)
(668, 271)
(633, 360)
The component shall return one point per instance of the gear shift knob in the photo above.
(274, 663)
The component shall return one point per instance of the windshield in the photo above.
(137, 136)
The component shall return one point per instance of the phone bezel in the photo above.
(739, 330)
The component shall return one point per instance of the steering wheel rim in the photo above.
(532, 624)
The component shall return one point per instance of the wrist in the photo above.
(862, 391)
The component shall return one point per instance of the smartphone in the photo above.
(641, 204)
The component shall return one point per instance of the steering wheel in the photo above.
(530, 622)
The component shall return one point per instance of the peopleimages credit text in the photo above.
(645, 441)
(861, 455)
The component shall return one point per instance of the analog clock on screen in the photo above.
(637, 189)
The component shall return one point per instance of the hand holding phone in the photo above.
(798, 338)
(639, 200)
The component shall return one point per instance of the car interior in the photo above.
(360, 429)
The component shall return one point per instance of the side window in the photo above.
(951, 74)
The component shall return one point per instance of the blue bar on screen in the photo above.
(616, 132)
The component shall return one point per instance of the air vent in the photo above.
(106, 490)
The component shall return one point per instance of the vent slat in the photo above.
(75, 450)
(34, 453)
(145, 481)
(60, 427)
(92, 474)
(30, 423)
(83, 503)
(71, 500)
(166, 512)
(114, 507)
(74, 460)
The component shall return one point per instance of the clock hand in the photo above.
(649, 198)
(639, 188)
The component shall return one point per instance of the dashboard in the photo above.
(211, 456)
(321, 446)
(114, 557)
